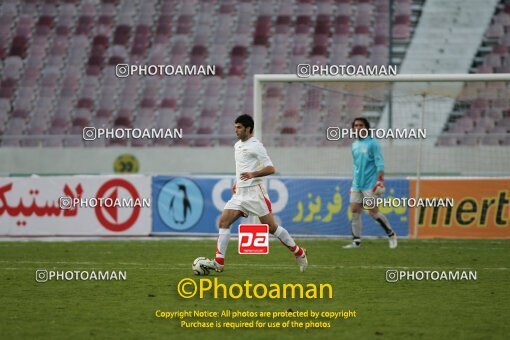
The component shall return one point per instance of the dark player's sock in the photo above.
(384, 223)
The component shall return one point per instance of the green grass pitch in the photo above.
(126, 309)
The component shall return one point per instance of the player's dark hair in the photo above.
(246, 121)
(363, 119)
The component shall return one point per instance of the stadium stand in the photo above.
(58, 65)
(483, 110)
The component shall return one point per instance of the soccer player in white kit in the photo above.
(249, 197)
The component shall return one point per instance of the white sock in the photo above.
(356, 227)
(287, 240)
(221, 245)
(284, 236)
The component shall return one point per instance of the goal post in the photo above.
(465, 116)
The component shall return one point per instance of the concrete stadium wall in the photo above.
(327, 161)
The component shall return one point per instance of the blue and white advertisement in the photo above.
(304, 206)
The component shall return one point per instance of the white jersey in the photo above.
(250, 156)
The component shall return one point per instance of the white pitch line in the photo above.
(473, 248)
(461, 241)
(180, 266)
(95, 268)
(76, 262)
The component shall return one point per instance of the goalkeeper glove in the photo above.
(379, 188)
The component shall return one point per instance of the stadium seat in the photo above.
(495, 31)
(122, 122)
(445, 140)
(204, 140)
(288, 137)
(286, 8)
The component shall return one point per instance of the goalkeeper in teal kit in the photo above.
(367, 182)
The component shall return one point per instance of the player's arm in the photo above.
(268, 167)
(380, 175)
(378, 158)
(234, 187)
(265, 171)
(379, 188)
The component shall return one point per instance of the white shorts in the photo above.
(358, 195)
(250, 200)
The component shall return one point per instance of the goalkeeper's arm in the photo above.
(379, 188)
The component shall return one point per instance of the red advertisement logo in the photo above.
(253, 239)
(109, 216)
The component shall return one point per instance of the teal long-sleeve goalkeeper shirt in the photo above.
(367, 162)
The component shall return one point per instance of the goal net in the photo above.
(430, 128)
